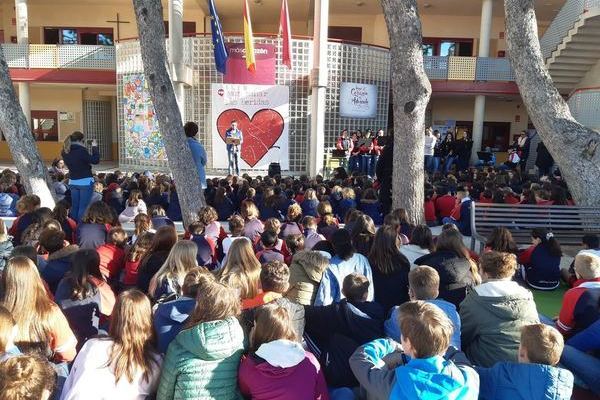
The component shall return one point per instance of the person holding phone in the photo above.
(233, 150)
(79, 161)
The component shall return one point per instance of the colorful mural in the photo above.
(142, 136)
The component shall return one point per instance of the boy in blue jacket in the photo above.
(424, 368)
(535, 376)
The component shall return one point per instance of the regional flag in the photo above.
(217, 38)
(249, 39)
(286, 34)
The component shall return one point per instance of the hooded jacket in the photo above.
(492, 316)
(282, 370)
(305, 277)
(6, 249)
(433, 378)
(512, 381)
(58, 264)
(202, 362)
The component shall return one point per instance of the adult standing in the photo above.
(81, 181)
(544, 160)
(233, 150)
(384, 171)
(449, 151)
(524, 144)
(345, 143)
(430, 141)
(198, 152)
(437, 152)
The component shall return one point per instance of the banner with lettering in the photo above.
(358, 100)
(264, 54)
(262, 114)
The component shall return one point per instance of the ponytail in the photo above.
(548, 241)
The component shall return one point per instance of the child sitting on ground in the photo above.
(580, 307)
(424, 284)
(236, 231)
(311, 236)
(275, 282)
(112, 254)
(461, 214)
(269, 252)
(274, 225)
(541, 261)
(207, 251)
(535, 376)
(425, 369)
(333, 332)
(60, 254)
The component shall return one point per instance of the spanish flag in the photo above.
(249, 39)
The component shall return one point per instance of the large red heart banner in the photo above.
(262, 113)
(261, 132)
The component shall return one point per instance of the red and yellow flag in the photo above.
(248, 39)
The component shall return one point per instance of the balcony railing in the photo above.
(468, 68)
(51, 56)
(563, 22)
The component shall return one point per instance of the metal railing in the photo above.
(468, 68)
(59, 56)
(564, 21)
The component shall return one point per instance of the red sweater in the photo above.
(444, 205)
(112, 260)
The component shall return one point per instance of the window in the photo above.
(446, 47)
(85, 36)
(44, 126)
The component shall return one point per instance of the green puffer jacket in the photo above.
(202, 362)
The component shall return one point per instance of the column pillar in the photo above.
(485, 32)
(176, 52)
(22, 25)
(319, 76)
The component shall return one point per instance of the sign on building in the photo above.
(358, 100)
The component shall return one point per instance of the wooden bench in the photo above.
(568, 223)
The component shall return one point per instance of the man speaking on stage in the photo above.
(234, 139)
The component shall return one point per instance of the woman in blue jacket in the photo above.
(79, 161)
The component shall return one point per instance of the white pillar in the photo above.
(176, 52)
(485, 32)
(22, 22)
(319, 75)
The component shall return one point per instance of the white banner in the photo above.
(358, 100)
(262, 114)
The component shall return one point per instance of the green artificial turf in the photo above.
(549, 302)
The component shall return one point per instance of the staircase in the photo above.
(571, 45)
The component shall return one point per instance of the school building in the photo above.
(76, 65)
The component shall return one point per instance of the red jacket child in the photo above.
(112, 254)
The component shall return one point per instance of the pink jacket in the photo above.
(282, 370)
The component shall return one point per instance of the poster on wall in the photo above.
(262, 114)
(142, 136)
(358, 100)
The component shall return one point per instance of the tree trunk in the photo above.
(24, 151)
(572, 145)
(149, 16)
(411, 91)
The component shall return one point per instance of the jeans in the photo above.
(365, 164)
(428, 163)
(354, 163)
(449, 161)
(435, 164)
(80, 200)
(232, 157)
(374, 160)
(584, 366)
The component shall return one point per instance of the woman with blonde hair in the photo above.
(202, 362)
(123, 365)
(241, 270)
(253, 226)
(41, 325)
(168, 281)
(310, 203)
(277, 363)
(347, 203)
(26, 377)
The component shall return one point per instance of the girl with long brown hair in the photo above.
(390, 268)
(96, 223)
(241, 270)
(41, 325)
(124, 365)
(453, 262)
(134, 257)
(205, 355)
(164, 239)
(277, 363)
